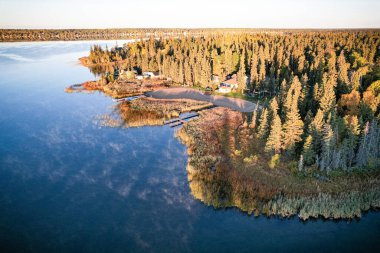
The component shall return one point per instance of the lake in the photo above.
(67, 184)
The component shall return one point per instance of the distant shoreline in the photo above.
(18, 35)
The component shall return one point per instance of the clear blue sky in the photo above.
(190, 13)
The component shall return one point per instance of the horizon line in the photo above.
(206, 28)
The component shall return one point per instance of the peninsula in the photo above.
(301, 137)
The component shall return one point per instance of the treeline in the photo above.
(125, 33)
(325, 110)
(83, 34)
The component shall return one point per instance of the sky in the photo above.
(189, 14)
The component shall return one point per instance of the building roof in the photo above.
(232, 81)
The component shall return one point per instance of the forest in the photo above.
(320, 89)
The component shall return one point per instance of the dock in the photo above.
(181, 120)
(128, 98)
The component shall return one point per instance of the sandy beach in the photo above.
(232, 103)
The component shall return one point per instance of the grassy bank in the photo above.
(228, 168)
(151, 112)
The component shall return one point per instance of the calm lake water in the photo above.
(69, 185)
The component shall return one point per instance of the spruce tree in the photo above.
(254, 74)
(308, 151)
(328, 145)
(328, 100)
(254, 117)
(343, 67)
(262, 67)
(241, 78)
(262, 132)
(369, 149)
(293, 128)
(274, 140)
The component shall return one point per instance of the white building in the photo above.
(228, 85)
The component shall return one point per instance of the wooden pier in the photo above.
(128, 98)
(179, 121)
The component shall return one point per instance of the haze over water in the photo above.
(69, 185)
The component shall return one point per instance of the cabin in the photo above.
(151, 75)
(228, 85)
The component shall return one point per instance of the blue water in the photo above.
(69, 185)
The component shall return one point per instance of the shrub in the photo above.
(274, 161)
(237, 152)
(251, 159)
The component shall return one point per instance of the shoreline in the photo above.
(222, 181)
(218, 100)
(243, 180)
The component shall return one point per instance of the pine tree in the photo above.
(328, 145)
(343, 67)
(316, 130)
(369, 149)
(328, 100)
(274, 140)
(254, 74)
(241, 78)
(254, 117)
(308, 151)
(282, 96)
(262, 69)
(293, 94)
(262, 132)
(273, 110)
(293, 127)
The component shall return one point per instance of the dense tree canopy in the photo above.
(326, 84)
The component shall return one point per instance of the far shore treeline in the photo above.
(11, 35)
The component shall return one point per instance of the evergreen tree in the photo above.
(308, 151)
(254, 74)
(274, 140)
(262, 69)
(293, 94)
(254, 117)
(369, 149)
(328, 100)
(262, 132)
(327, 156)
(273, 110)
(343, 67)
(241, 78)
(293, 127)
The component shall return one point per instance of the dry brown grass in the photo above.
(152, 112)
(220, 174)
